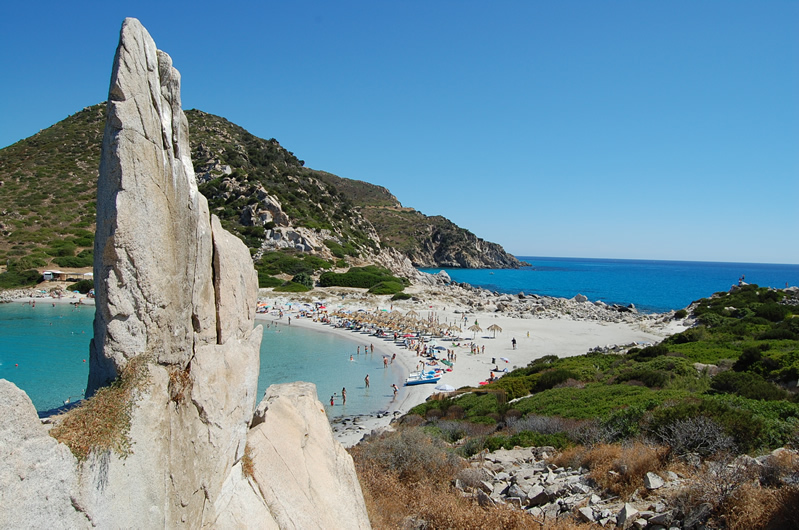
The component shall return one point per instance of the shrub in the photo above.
(12, 278)
(386, 288)
(401, 296)
(698, 434)
(652, 351)
(551, 378)
(410, 454)
(83, 286)
(680, 314)
(264, 280)
(363, 277)
(303, 278)
(650, 378)
(772, 312)
(291, 287)
(748, 385)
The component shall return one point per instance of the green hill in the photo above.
(261, 191)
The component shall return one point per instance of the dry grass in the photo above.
(179, 384)
(619, 469)
(406, 480)
(247, 463)
(102, 422)
(755, 507)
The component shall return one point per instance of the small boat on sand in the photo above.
(421, 378)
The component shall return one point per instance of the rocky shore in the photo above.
(527, 479)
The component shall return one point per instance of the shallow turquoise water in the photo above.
(43, 350)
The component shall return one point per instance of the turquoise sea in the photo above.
(653, 286)
(43, 348)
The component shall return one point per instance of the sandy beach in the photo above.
(563, 330)
(535, 338)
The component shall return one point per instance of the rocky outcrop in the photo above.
(175, 296)
(317, 489)
(37, 473)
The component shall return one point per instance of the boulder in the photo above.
(306, 477)
(37, 473)
(652, 481)
(627, 516)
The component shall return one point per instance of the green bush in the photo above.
(265, 280)
(12, 278)
(363, 277)
(552, 378)
(83, 286)
(386, 288)
(303, 278)
(650, 378)
(401, 296)
(291, 287)
(772, 312)
(680, 314)
(748, 385)
(652, 351)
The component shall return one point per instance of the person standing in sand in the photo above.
(513, 342)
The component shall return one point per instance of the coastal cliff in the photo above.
(175, 441)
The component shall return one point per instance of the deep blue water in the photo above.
(43, 349)
(653, 286)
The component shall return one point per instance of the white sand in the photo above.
(535, 338)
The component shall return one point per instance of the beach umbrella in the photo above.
(494, 328)
(475, 328)
(445, 388)
(411, 313)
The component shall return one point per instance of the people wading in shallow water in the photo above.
(394, 386)
(343, 395)
(366, 380)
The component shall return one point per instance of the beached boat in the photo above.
(421, 378)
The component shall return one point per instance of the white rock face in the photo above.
(37, 474)
(177, 290)
(291, 439)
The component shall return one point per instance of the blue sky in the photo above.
(652, 130)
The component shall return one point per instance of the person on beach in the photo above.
(343, 395)
(358, 351)
(394, 386)
(331, 400)
(366, 380)
(351, 359)
(513, 341)
(372, 347)
(385, 362)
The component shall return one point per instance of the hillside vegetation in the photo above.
(260, 191)
(726, 386)
(727, 383)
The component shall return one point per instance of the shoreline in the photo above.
(540, 325)
(558, 330)
(348, 429)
